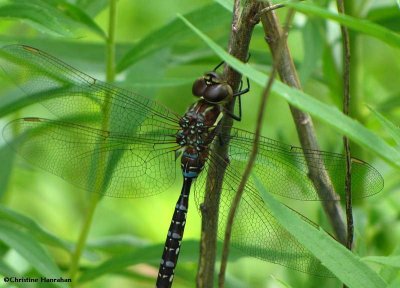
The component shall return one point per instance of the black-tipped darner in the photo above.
(137, 153)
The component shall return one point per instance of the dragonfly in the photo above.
(135, 143)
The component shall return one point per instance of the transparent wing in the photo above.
(282, 169)
(255, 231)
(71, 94)
(106, 162)
(107, 139)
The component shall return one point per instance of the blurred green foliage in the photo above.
(158, 56)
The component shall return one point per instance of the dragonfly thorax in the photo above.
(196, 134)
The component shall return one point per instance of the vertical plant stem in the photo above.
(95, 197)
(346, 142)
(346, 107)
(110, 76)
(243, 23)
(82, 239)
(252, 158)
(353, 8)
(238, 196)
(304, 125)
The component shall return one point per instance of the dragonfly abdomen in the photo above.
(174, 238)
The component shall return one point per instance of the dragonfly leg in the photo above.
(219, 65)
(238, 94)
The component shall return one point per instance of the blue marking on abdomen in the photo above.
(189, 155)
(190, 174)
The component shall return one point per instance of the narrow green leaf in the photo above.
(29, 248)
(328, 114)
(150, 255)
(392, 129)
(393, 261)
(227, 4)
(331, 74)
(53, 17)
(387, 16)
(388, 273)
(313, 42)
(15, 100)
(173, 32)
(40, 18)
(75, 14)
(360, 25)
(12, 217)
(340, 261)
(91, 7)
(391, 103)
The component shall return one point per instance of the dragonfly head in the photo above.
(213, 88)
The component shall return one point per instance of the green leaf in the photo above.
(75, 14)
(151, 255)
(340, 261)
(360, 25)
(28, 248)
(91, 7)
(12, 102)
(227, 4)
(387, 16)
(54, 17)
(328, 114)
(393, 261)
(173, 32)
(388, 125)
(331, 75)
(313, 42)
(14, 218)
(390, 104)
(388, 273)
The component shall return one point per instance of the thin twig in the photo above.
(242, 28)
(304, 125)
(346, 106)
(346, 142)
(273, 7)
(238, 196)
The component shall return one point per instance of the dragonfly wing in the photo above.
(76, 97)
(101, 161)
(282, 169)
(255, 231)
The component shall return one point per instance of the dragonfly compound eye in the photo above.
(199, 86)
(218, 93)
(209, 79)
